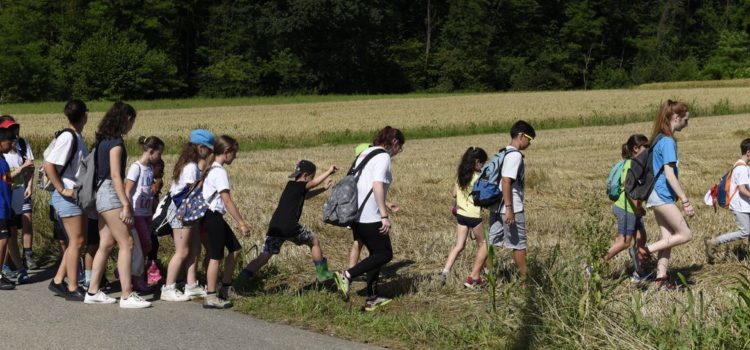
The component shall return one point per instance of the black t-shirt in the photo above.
(102, 157)
(285, 219)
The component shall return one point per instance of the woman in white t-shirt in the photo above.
(61, 165)
(186, 239)
(139, 189)
(373, 225)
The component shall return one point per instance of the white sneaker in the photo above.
(196, 291)
(98, 298)
(134, 301)
(172, 294)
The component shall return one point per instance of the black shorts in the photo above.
(15, 221)
(467, 221)
(4, 229)
(218, 236)
(92, 232)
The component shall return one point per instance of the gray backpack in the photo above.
(86, 183)
(341, 208)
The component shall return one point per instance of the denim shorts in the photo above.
(64, 206)
(627, 223)
(106, 197)
(174, 223)
(655, 201)
(509, 236)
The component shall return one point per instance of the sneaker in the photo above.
(373, 304)
(172, 294)
(23, 276)
(6, 284)
(196, 291)
(139, 285)
(342, 283)
(213, 301)
(60, 289)
(134, 301)
(227, 293)
(588, 270)
(77, 295)
(153, 274)
(710, 249)
(31, 263)
(474, 283)
(9, 273)
(98, 298)
(443, 276)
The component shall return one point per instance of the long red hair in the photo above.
(663, 122)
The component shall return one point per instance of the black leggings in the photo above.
(154, 253)
(381, 252)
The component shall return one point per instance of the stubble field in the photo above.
(566, 171)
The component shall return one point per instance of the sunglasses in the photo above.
(528, 137)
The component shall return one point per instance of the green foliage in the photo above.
(164, 48)
(109, 65)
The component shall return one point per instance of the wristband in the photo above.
(384, 217)
(509, 206)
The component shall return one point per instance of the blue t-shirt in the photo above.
(665, 152)
(5, 190)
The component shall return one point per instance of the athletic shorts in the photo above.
(627, 223)
(467, 221)
(4, 229)
(27, 206)
(218, 236)
(509, 236)
(302, 236)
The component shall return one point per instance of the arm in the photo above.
(56, 180)
(234, 212)
(378, 190)
(20, 170)
(320, 178)
(510, 217)
(129, 186)
(744, 191)
(115, 154)
(674, 183)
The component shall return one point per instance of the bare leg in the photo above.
(99, 263)
(121, 234)
(519, 257)
(193, 254)
(212, 275)
(621, 243)
(461, 233)
(182, 248)
(354, 253)
(75, 226)
(230, 262)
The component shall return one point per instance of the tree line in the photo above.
(144, 49)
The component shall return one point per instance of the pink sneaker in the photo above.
(153, 274)
(140, 286)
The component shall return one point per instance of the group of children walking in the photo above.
(666, 197)
(199, 196)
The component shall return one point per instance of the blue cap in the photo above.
(202, 137)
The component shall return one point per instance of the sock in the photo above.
(87, 273)
(211, 293)
(347, 275)
(226, 285)
(323, 261)
(445, 272)
(27, 252)
(170, 286)
(91, 294)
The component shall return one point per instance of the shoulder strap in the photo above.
(71, 152)
(500, 170)
(368, 157)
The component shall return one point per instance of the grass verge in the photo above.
(695, 84)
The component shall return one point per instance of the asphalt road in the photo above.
(33, 318)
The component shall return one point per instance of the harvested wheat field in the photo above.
(566, 171)
(282, 124)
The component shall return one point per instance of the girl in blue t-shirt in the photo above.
(673, 117)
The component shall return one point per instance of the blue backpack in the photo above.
(614, 181)
(487, 191)
(721, 192)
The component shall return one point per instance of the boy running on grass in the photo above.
(285, 224)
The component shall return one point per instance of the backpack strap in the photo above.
(199, 183)
(368, 157)
(71, 152)
(658, 138)
(731, 171)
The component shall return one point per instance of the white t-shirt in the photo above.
(15, 161)
(58, 155)
(377, 169)
(189, 175)
(216, 181)
(513, 168)
(143, 198)
(740, 177)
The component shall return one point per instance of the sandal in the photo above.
(665, 284)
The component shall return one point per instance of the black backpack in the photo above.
(640, 179)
